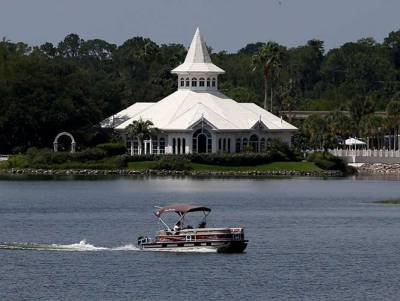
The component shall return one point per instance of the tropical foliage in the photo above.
(75, 84)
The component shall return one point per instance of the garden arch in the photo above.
(73, 143)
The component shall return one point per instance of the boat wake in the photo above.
(83, 246)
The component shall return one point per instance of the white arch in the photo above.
(73, 143)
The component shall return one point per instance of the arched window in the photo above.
(183, 145)
(208, 82)
(214, 82)
(254, 143)
(245, 142)
(182, 82)
(202, 141)
(262, 144)
(179, 146)
(187, 82)
(174, 146)
(162, 145)
(201, 82)
(219, 144)
(238, 145)
(224, 145)
(194, 82)
(229, 145)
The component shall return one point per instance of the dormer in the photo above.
(197, 72)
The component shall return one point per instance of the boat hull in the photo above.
(217, 246)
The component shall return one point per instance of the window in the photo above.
(208, 81)
(224, 145)
(155, 146)
(182, 82)
(254, 143)
(238, 145)
(194, 82)
(229, 145)
(179, 146)
(187, 82)
(202, 141)
(214, 82)
(201, 82)
(219, 144)
(262, 144)
(183, 145)
(162, 146)
(245, 142)
(174, 146)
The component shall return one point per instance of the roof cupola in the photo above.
(197, 71)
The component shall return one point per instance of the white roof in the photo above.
(197, 58)
(185, 108)
(354, 141)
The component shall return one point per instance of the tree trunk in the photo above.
(265, 91)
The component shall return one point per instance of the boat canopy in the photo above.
(181, 209)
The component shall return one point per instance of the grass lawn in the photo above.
(389, 202)
(295, 166)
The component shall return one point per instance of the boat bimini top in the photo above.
(181, 210)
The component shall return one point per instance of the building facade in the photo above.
(197, 118)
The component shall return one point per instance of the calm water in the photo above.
(310, 239)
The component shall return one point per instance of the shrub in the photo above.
(327, 161)
(112, 149)
(18, 161)
(172, 163)
(89, 154)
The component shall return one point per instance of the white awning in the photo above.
(354, 141)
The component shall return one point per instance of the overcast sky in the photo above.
(225, 24)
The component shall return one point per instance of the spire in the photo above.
(198, 52)
(198, 59)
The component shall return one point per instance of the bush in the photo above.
(112, 149)
(172, 163)
(89, 154)
(327, 161)
(18, 161)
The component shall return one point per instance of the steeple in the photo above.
(197, 71)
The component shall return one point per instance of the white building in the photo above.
(199, 118)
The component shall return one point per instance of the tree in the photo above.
(270, 57)
(373, 126)
(142, 130)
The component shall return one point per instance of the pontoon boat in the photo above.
(223, 240)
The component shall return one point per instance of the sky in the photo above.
(225, 24)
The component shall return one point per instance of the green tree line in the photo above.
(75, 84)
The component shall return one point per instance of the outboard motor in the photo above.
(142, 240)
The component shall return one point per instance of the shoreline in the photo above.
(168, 173)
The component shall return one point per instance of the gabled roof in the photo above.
(184, 108)
(198, 58)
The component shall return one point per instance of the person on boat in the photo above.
(177, 226)
(202, 224)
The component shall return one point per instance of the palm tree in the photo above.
(373, 126)
(140, 129)
(339, 124)
(270, 57)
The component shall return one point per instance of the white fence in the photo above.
(376, 153)
(3, 157)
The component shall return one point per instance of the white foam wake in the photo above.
(82, 246)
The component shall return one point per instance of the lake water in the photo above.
(310, 239)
